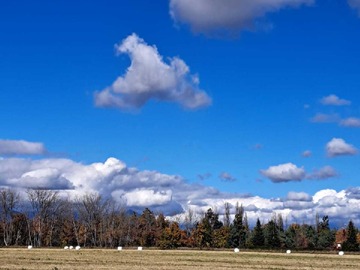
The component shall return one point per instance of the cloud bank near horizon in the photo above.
(170, 194)
(149, 77)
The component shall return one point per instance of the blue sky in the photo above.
(249, 101)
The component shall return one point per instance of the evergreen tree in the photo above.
(326, 237)
(272, 239)
(290, 236)
(351, 243)
(311, 236)
(227, 215)
(237, 237)
(281, 230)
(204, 232)
(258, 239)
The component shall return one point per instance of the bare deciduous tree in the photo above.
(9, 200)
(44, 206)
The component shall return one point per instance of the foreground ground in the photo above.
(58, 259)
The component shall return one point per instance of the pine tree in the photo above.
(326, 237)
(272, 239)
(237, 237)
(351, 243)
(258, 239)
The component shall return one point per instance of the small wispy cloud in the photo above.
(21, 147)
(338, 147)
(289, 172)
(350, 122)
(298, 196)
(355, 4)
(334, 101)
(284, 173)
(258, 146)
(325, 118)
(323, 173)
(306, 153)
(204, 176)
(227, 177)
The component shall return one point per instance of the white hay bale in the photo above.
(236, 250)
(77, 247)
(66, 247)
(341, 253)
(288, 251)
(338, 246)
(71, 247)
(30, 246)
(140, 248)
(119, 248)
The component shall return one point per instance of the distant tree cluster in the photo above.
(43, 219)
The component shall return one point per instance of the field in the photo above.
(58, 259)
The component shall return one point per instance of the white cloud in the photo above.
(353, 193)
(335, 118)
(325, 118)
(338, 147)
(21, 147)
(171, 194)
(355, 4)
(289, 172)
(323, 173)
(323, 197)
(298, 205)
(298, 196)
(48, 178)
(149, 77)
(230, 15)
(334, 100)
(350, 122)
(204, 176)
(226, 177)
(284, 173)
(307, 153)
(144, 197)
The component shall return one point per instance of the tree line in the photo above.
(44, 219)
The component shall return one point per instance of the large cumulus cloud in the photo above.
(170, 194)
(150, 78)
(230, 15)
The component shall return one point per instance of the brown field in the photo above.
(91, 259)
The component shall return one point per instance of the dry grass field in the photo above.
(58, 259)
